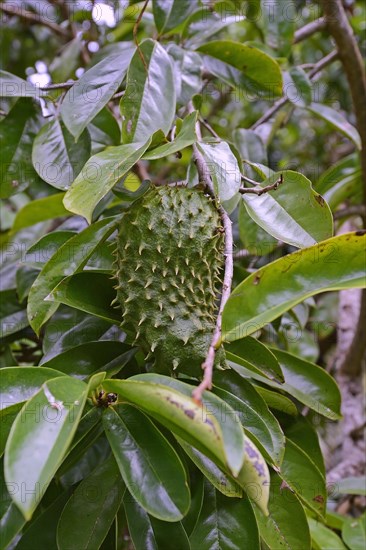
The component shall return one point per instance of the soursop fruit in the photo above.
(169, 259)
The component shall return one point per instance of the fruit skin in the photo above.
(169, 258)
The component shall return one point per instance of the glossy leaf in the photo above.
(89, 292)
(334, 264)
(149, 465)
(168, 14)
(169, 401)
(258, 70)
(148, 104)
(149, 533)
(88, 515)
(308, 383)
(354, 532)
(11, 519)
(213, 473)
(336, 120)
(294, 213)
(55, 157)
(206, 23)
(40, 210)
(85, 359)
(186, 137)
(286, 521)
(40, 437)
(255, 356)
(13, 86)
(324, 538)
(254, 477)
(19, 384)
(71, 257)
(17, 132)
(302, 94)
(255, 239)
(304, 478)
(225, 523)
(43, 250)
(13, 317)
(302, 432)
(253, 413)
(104, 131)
(93, 90)
(277, 401)
(224, 171)
(187, 66)
(99, 175)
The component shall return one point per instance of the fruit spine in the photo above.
(169, 258)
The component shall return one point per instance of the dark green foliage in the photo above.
(169, 258)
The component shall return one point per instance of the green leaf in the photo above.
(277, 401)
(255, 356)
(317, 389)
(85, 359)
(354, 532)
(299, 80)
(99, 175)
(336, 120)
(89, 292)
(213, 473)
(255, 239)
(303, 434)
(150, 467)
(13, 317)
(250, 145)
(186, 137)
(41, 532)
(335, 264)
(43, 250)
(206, 23)
(278, 22)
(40, 210)
(224, 171)
(149, 533)
(7, 417)
(11, 520)
(253, 413)
(168, 14)
(169, 401)
(352, 486)
(225, 523)
(88, 515)
(71, 257)
(258, 70)
(323, 538)
(17, 132)
(93, 90)
(40, 437)
(64, 64)
(19, 384)
(187, 66)
(294, 213)
(104, 131)
(13, 86)
(148, 104)
(55, 157)
(304, 478)
(286, 524)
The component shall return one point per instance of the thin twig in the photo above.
(34, 18)
(208, 364)
(355, 210)
(284, 100)
(309, 29)
(261, 190)
(134, 32)
(209, 128)
(59, 86)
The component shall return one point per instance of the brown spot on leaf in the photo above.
(320, 200)
(257, 280)
(360, 232)
(319, 498)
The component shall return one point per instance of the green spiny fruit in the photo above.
(169, 258)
